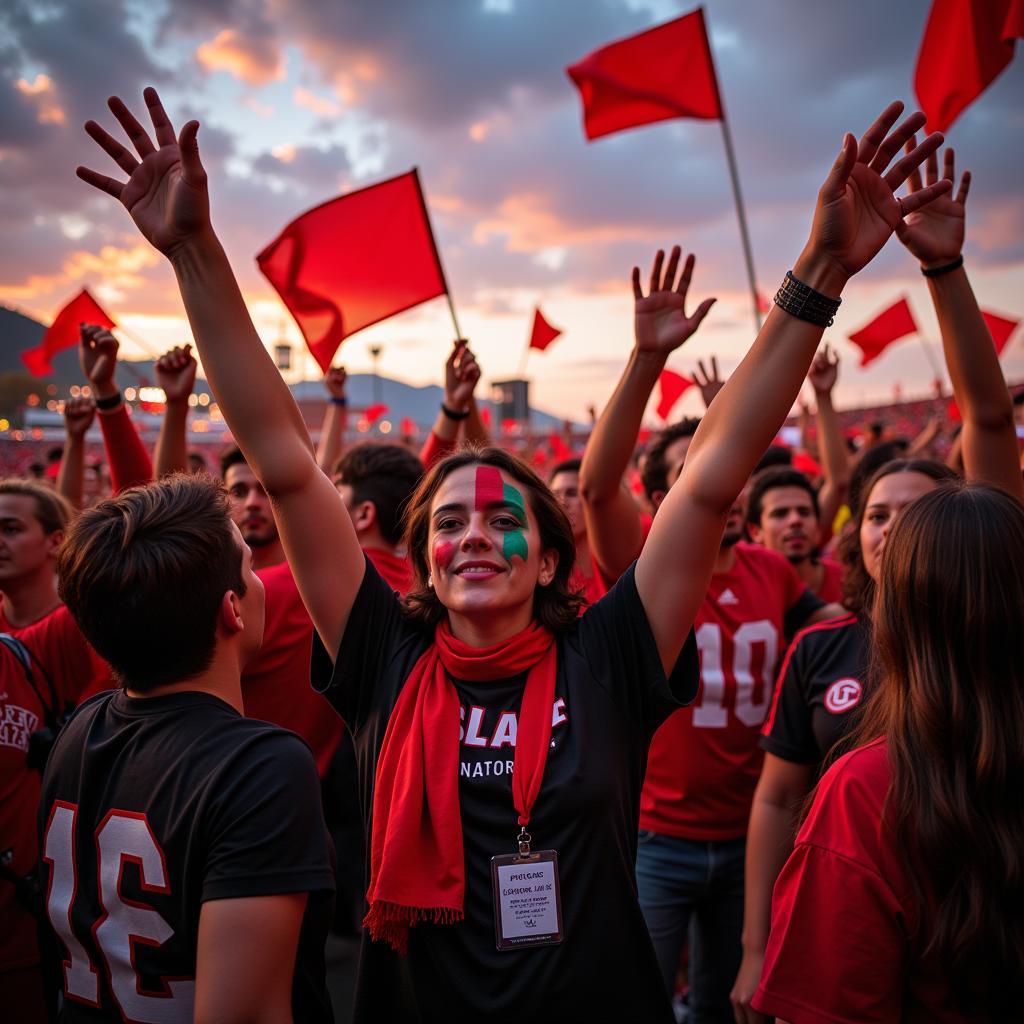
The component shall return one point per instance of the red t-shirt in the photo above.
(841, 949)
(704, 761)
(395, 570)
(62, 654)
(275, 684)
(831, 590)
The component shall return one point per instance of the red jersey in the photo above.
(831, 589)
(704, 761)
(396, 571)
(275, 684)
(845, 940)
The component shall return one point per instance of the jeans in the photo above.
(697, 888)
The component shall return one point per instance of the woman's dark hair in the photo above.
(555, 606)
(858, 586)
(949, 702)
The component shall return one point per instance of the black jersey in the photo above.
(822, 682)
(610, 695)
(152, 806)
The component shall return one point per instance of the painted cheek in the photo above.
(444, 552)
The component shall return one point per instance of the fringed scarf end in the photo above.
(390, 922)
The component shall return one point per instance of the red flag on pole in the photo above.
(372, 413)
(543, 333)
(890, 325)
(355, 261)
(64, 332)
(663, 73)
(671, 387)
(1000, 328)
(966, 45)
(763, 305)
(408, 427)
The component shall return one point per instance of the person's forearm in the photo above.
(769, 844)
(990, 448)
(332, 436)
(475, 431)
(71, 475)
(252, 395)
(127, 457)
(171, 455)
(835, 464)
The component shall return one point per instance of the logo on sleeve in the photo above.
(843, 695)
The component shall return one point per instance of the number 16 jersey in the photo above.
(704, 761)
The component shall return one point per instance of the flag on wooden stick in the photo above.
(64, 332)
(890, 325)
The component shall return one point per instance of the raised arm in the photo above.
(166, 195)
(709, 382)
(176, 375)
(660, 326)
(934, 236)
(831, 443)
(78, 416)
(461, 374)
(332, 433)
(855, 215)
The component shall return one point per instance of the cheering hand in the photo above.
(934, 234)
(334, 381)
(660, 321)
(166, 191)
(97, 354)
(78, 415)
(824, 371)
(461, 373)
(709, 383)
(857, 211)
(176, 373)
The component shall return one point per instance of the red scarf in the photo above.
(417, 867)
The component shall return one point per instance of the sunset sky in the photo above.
(302, 100)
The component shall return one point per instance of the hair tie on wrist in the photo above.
(946, 268)
(106, 404)
(452, 414)
(342, 402)
(802, 301)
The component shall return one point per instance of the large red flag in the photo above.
(890, 325)
(966, 45)
(355, 261)
(671, 387)
(1000, 328)
(543, 333)
(663, 73)
(64, 332)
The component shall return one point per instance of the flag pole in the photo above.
(437, 252)
(521, 369)
(930, 356)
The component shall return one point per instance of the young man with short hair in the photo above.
(185, 857)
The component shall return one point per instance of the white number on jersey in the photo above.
(711, 712)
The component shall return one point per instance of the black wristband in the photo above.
(946, 268)
(452, 414)
(802, 301)
(106, 404)
(342, 402)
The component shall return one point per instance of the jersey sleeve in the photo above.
(788, 731)
(615, 639)
(374, 636)
(265, 833)
(836, 950)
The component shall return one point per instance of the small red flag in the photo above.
(1000, 328)
(64, 332)
(966, 45)
(763, 305)
(372, 413)
(354, 261)
(889, 326)
(408, 427)
(543, 333)
(671, 387)
(663, 73)
(485, 416)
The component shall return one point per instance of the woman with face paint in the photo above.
(501, 737)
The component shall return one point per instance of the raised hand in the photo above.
(934, 234)
(857, 210)
(97, 354)
(824, 371)
(166, 188)
(709, 383)
(176, 373)
(334, 381)
(660, 321)
(78, 415)
(461, 374)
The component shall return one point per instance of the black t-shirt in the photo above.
(610, 696)
(152, 806)
(823, 680)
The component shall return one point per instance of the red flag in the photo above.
(355, 261)
(670, 387)
(408, 427)
(543, 333)
(889, 326)
(966, 45)
(485, 416)
(64, 332)
(1000, 328)
(763, 305)
(372, 413)
(663, 73)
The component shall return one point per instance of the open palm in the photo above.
(660, 321)
(935, 233)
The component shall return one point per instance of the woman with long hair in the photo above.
(502, 739)
(904, 896)
(824, 683)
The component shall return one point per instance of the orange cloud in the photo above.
(309, 100)
(253, 61)
(41, 91)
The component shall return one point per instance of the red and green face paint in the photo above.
(492, 490)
